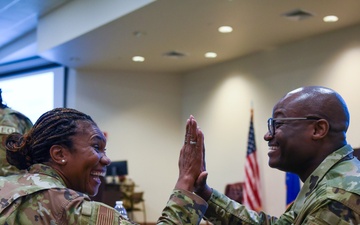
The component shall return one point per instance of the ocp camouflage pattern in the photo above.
(10, 121)
(41, 197)
(330, 195)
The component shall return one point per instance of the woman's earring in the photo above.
(63, 160)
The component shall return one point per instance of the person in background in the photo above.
(10, 121)
(65, 156)
(307, 136)
(127, 188)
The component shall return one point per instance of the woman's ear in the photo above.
(321, 129)
(58, 154)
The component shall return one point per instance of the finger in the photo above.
(201, 146)
(201, 180)
(204, 162)
(187, 131)
(193, 130)
(199, 138)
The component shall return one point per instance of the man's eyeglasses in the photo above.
(272, 122)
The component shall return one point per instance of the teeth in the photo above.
(100, 174)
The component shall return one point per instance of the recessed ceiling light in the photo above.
(330, 19)
(210, 55)
(138, 59)
(225, 29)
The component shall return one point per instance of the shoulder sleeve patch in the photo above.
(86, 208)
(105, 215)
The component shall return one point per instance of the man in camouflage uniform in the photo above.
(306, 136)
(10, 121)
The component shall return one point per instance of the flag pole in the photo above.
(251, 109)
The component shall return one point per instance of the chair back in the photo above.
(235, 191)
(137, 197)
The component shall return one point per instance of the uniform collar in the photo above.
(315, 178)
(43, 169)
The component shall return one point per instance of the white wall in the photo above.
(145, 114)
(142, 115)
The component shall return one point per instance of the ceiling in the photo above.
(187, 27)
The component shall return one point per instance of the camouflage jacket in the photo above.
(10, 121)
(330, 195)
(41, 197)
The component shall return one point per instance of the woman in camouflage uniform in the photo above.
(64, 154)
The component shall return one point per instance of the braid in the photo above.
(55, 127)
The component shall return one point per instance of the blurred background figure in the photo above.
(10, 121)
(127, 188)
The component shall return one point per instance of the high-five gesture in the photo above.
(191, 161)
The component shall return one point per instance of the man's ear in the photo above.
(58, 154)
(321, 129)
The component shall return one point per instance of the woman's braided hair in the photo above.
(55, 127)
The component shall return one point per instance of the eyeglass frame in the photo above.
(271, 124)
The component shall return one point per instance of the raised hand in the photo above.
(191, 160)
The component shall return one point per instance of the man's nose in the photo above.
(268, 136)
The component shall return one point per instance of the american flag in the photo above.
(252, 198)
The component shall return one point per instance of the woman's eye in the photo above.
(97, 148)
